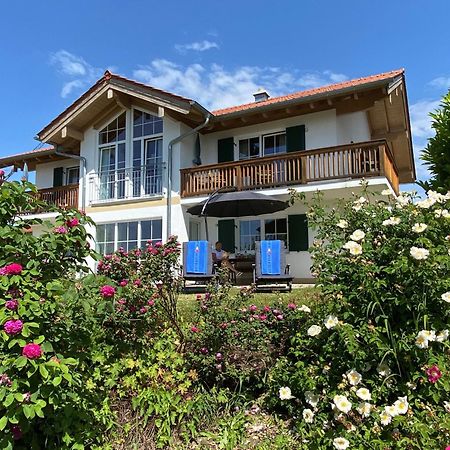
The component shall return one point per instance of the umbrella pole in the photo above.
(206, 228)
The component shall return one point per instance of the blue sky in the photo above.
(215, 52)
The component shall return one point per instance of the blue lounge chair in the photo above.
(197, 263)
(270, 270)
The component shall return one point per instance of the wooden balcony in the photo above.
(62, 196)
(353, 161)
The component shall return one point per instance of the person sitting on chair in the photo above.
(220, 258)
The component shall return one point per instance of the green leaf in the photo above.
(43, 371)
(9, 399)
(57, 381)
(3, 422)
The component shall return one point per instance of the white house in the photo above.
(135, 158)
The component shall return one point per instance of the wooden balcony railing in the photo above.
(62, 196)
(362, 160)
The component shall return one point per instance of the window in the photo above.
(72, 175)
(274, 143)
(249, 233)
(276, 229)
(128, 235)
(147, 154)
(249, 148)
(194, 230)
(112, 159)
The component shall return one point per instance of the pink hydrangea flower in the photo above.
(433, 374)
(107, 291)
(60, 230)
(72, 222)
(12, 305)
(32, 351)
(13, 327)
(12, 269)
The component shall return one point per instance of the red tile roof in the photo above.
(310, 92)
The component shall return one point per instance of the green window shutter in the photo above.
(295, 138)
(58, 175)
(226, 234)
(225, 150)
(298, 233)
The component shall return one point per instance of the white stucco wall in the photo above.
(352, 127)
(44, 172)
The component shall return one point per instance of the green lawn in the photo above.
(187, 303)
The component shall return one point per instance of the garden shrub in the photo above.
(370, 369)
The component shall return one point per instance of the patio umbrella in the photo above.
(236, 204)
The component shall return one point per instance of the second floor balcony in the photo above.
(126, 184)
(352, 161)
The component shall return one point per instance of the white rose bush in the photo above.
(374, 353)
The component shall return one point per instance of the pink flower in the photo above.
(32, 351)
(194, 329)
(12, 269)
(292, 306)
(151, 302)
(107, 291)
(16, 432)
(433, 374)
(198, 296)
(123, 283)
(137, 282)
(12, 305)
(60, 230)
(262, 317)
(204, 350)
(219, 356)
(223, 326)
(280, 317)
(122, 301)
(13, 327)
(2, 173)
(4, 379)
(27, 397)
(72, 222)
(143, 310)
(252, 308)
(266, 309)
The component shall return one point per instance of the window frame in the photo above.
(68, 170)
(140, 240)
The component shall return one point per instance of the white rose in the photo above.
(446, 297)
(447, 406)
(386, 192)
(314, 330)
(364, 409)
(423, 337)
(285, 393)
(340, 443)
(364, 394)
(425, 204)
(403, 200)
(419, 253)
(442, 336)
(385, 418)
(305, 308)
(343, 224)
(419, 227)
(357, 235)
(330, 322)
(391, 410)
(391, 221)
(342, 404)
(308, 416)
(402, 405)
(353, 247)
(353, 377)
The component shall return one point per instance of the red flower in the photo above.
(32, 351)
(433, 374)
(12, 269)
(107, 291)
(72, 222)
(194, 329)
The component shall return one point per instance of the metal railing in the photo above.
(126, 183)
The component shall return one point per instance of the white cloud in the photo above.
(200, 46)
(215, 86)
(440, 83)
(82, 74)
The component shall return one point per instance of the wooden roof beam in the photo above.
(67, 132)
